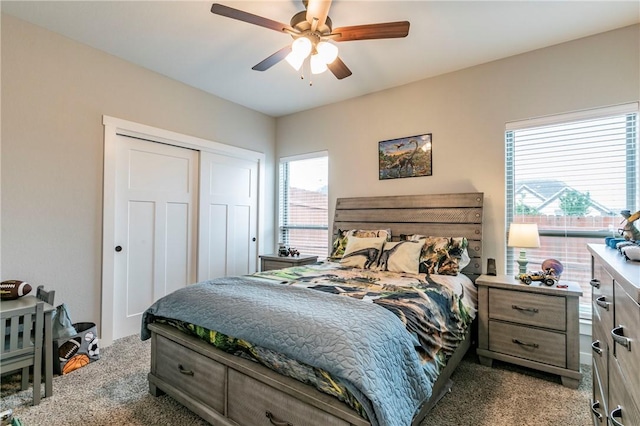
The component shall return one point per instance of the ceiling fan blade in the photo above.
(339, 69)
(273, 59)
(318, 9)
(229, 12)
(372, 31)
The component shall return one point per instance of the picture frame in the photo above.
(405, 157)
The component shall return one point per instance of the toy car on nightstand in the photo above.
(548, 277)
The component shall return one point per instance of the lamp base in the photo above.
(522, 262)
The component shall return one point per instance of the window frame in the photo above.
(283, 196)
(631, 174)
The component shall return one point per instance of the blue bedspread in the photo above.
(364, 345)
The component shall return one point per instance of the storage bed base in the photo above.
(228, 390)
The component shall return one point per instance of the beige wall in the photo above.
(54, 94)
(466, 111)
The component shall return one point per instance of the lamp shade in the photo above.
(328, 51)
(523, 235)
(318, 65)
(300, 49)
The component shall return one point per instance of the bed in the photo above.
(218, 357)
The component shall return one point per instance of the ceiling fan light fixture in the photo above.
(318, 65)
(328, 51)
(300, 49)
(295, 61)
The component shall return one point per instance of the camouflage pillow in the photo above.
(442, 255)
(340, 242)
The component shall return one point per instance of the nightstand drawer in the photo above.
(539, 310)
(537, 345)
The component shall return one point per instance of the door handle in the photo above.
(253, 239)
(118, 249)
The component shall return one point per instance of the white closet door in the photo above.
(228, 216)
(155, 226)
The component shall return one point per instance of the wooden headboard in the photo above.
(446, 215)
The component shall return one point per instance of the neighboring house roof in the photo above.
(304, 198)
(545, 194)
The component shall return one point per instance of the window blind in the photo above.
(572, 174)
(303, 204)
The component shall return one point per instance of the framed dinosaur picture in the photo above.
(405, 157)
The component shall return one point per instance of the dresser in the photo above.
(273, 261)
(616, 338)
(535, 325)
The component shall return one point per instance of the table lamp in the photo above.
(523, 236)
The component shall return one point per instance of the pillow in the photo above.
(400, 256)
(371, 233)
(362, 252)
(340, 242)
(442, 255)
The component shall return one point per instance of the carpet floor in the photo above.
(114, 391)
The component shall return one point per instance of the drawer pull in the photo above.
(521, 343)
(276, 422)
(618, 338)
(600, 301)
(596, 347)
(594, 410)
(616, 412)
(595, 283)
(520, 308)
(184, 371)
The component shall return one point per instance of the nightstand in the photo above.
(535, 326)
(273, 261)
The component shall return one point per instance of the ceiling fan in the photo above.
(312, 32)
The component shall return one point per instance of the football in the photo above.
(12, 289)
(68, 349)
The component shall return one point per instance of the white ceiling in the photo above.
(185, 41)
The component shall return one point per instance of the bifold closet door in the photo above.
(156, 226)
(228, 216)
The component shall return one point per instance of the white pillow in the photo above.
(400, 256)
(362, 252)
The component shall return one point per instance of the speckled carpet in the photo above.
(114, 391)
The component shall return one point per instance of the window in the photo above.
(304, 206)
(572, 175)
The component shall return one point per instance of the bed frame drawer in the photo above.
(538, 310)
(254, 403)
(191, 372)
(537, 345)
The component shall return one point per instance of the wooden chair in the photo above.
(18, 350)
(44, 295)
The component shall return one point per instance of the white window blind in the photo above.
(304, 205)
(572, 175)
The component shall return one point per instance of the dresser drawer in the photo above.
(626, 346)
(623, 408)
(538, 345)
(600, 356)
(598, 402)
(195, 374)
(539, 310)
(602, 296)
(250, 401)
